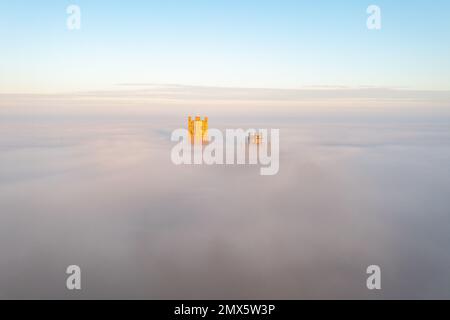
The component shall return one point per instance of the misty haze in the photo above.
(100, 192)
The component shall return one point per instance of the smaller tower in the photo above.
(255, 138)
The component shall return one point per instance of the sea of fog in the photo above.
(101, 192)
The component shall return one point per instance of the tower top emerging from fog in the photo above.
(198, 129)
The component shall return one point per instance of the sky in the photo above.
(233, 43)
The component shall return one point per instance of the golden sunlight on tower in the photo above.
(198, 129)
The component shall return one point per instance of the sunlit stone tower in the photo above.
(255, 138)
(198, 129)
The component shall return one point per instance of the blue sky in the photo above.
(245, 43)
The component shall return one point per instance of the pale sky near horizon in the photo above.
(266, 44)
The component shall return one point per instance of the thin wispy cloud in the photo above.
(187, 94)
